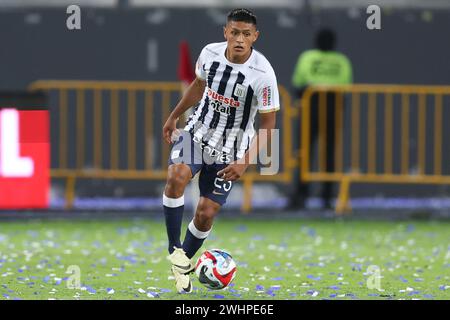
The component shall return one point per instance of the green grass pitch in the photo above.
(276, 259)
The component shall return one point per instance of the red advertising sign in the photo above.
(24, 159)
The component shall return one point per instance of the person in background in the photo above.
(320, 66)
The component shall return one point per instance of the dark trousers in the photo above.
(302, 189)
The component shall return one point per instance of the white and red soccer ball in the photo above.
(215, 269)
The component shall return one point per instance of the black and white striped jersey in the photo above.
(224, 118)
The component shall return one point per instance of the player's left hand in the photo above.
(233, 171)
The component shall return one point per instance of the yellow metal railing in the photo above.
(378, 116)
(83, 108)
(101, 101)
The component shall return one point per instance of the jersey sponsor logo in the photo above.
(266, 96)
(219, 107)
(218, 97)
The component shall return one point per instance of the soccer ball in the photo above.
(215, 269)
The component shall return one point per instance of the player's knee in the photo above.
(178, 175)
(205, 213)
(177, 179)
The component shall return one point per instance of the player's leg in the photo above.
(213, 191)
(200, 226)
(182, 168)
(178, 177)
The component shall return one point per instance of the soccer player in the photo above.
(233, 82)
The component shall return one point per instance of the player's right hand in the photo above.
(169, 129)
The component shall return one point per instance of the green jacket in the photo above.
(322, 67)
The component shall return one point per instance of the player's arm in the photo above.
(192, 95)
(236, 169)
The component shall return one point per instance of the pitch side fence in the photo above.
(382, 134)
(112, 130)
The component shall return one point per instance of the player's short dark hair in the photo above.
(243, 15)
(326, 39)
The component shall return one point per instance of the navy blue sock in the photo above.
(193, 240)
(173, 212)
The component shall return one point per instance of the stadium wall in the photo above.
(142, 44)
